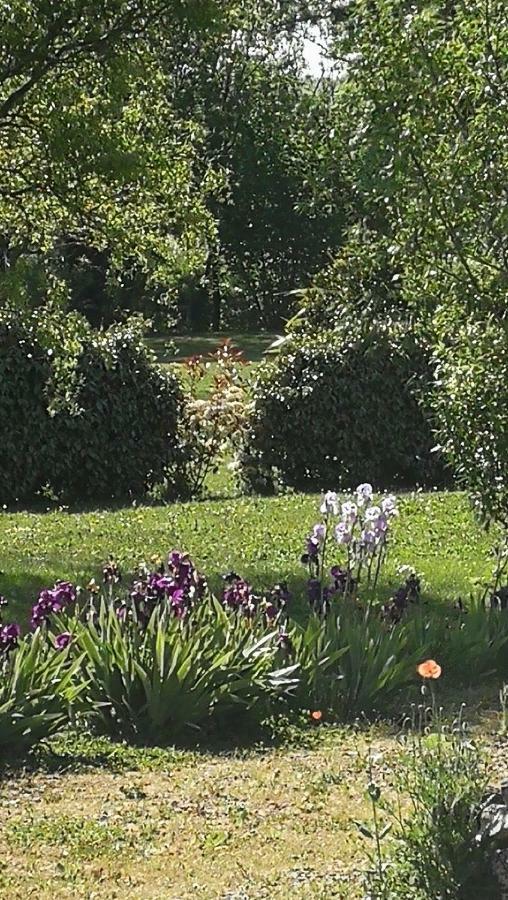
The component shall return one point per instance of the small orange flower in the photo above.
(317, 715)
(429, 669)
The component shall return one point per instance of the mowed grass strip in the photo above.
(261, 539)
(271, 823)
(263, 823)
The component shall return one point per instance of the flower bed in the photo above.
(159, 655)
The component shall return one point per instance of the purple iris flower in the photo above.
(312, 546)
(61, 596)
(314, 592)
(271, 612)
(163, 584)
(175, 558)
(63, 640)
(9, 636)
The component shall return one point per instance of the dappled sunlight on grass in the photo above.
(260, 538)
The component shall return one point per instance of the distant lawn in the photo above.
(253, 346)
(173, 350)
(261, 538)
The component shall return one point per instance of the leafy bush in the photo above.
(342, 407)
(38, 683)
(116, 415)
(26, 425)
(362, 280)
(471, 406)
(214, 424)
(89, 413)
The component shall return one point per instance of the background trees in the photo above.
(423, 106)
(91, 154)
(177, 161)
(180, 160)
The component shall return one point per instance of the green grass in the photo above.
(270, 822)
(253, 346)
(260, 538)
(172, 351)
(91, 817)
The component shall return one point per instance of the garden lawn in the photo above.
(260, 538)
(173, 350)
(97, 819)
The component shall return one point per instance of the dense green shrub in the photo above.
(115, 415)
(342, 408)
(87, 414)
(24, 372)
(471, 404)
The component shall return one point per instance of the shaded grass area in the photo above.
(260, 538)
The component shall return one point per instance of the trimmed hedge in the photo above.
(92, 415)
(116, 418)
(343, 408)
(25, 423)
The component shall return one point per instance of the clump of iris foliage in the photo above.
(161, 656)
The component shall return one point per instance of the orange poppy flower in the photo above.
(429, 669)
(317, 715)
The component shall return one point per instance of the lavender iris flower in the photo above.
(349, 512)
(369, 538)
(381, 524)
(330, 504)
(343, 533)
(389, 505)
(364, 493)
(318, 532)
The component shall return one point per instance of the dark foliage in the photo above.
(342, 408)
